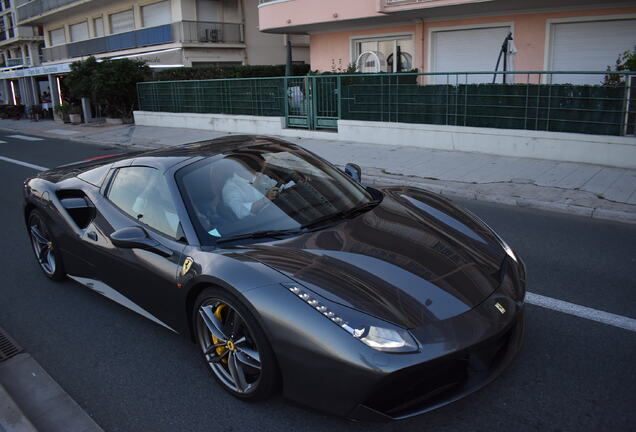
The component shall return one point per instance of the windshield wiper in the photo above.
(262, 234)
(345, 214)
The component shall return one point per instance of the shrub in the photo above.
(234, 71)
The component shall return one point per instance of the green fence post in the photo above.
(313, 102)
(547, 121)
(339, 97)
(285, 89)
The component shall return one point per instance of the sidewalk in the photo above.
(588, 190)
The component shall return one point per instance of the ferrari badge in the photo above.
(186, 266)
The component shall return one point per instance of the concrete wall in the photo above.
(567, 147)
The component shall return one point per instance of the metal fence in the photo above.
(252, 96)
(529, 101)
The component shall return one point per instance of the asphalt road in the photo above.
(130, 374)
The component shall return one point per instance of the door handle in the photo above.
(92, 235)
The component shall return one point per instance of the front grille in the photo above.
(8, 347)
(430, 384)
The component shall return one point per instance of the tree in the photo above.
(109, 83)
(80, 80)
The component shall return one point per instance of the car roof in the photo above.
(166, 157)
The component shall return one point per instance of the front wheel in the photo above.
(44, 247)
(234, 346)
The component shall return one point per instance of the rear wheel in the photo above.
(234, 346)
(44, 247)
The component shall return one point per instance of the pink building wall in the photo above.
(333, 50)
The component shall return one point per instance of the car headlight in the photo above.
(376, 335)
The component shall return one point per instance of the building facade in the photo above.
(165, 34)
(458, 35)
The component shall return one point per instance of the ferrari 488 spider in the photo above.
(290, 274)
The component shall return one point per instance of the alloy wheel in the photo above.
(228, 346)
(42, 245)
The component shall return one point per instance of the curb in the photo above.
(39, 399)
(12, 419)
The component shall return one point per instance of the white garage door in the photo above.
(588, 46)
(468, 50)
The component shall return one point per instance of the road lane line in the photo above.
(2, 142)
(25, 164)
(25, 137)
(582, 311)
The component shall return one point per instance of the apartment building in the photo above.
(459, 35)
(165, 34)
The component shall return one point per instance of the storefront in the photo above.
(40, 85)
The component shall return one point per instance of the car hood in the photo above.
(415, 258)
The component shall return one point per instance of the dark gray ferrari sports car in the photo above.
(290, 274)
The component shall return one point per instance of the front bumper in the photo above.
(324, 368)
(424, 387)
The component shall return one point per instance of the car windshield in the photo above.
(273, 187)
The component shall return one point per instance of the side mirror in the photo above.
(353, 171)
(137, 238)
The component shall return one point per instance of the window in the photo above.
(122, 21)
(585, 46)
(98, 23)
(79, 31)
(156, 14)
(143, 193)
(209, 10)
(470, 49)
(230, 194)
(58, 36)
(385, 50)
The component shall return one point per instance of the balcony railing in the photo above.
(31, 9)
(14, 62)
(207, 31)
(184, 31)
(398, 5)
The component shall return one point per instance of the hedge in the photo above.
(233, 71)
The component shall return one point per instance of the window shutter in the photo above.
(156, 14)
(122, 22)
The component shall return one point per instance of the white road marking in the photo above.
(62, 131)
(582, 311)
(25, 137)
(2, 142)
(25, 164)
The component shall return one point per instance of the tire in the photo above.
(44, 247)
(223, 361)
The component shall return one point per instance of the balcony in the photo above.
(28, 10)
(14, 62)
(389, 6)
(184, 32)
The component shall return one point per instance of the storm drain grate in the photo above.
(8, 347)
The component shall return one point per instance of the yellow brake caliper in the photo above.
(219, 350)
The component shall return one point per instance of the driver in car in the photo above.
(247, 191)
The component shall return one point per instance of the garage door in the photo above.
(588, 46)
(468, 50)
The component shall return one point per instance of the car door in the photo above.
(142, 280)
